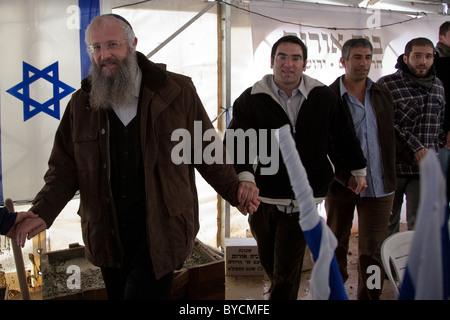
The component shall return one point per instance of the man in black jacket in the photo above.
(320, 127)
(442, 63)
(371, 109)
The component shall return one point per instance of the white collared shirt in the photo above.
(291, 105)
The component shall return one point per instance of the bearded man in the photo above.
(419, 106)
(139, 210)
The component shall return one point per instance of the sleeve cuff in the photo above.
(359, 172)
(246, 176)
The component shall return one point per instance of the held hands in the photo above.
(357, 184)
(20, 217)
(26, 226)
(248, 197)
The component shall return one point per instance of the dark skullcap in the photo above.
(120, 18)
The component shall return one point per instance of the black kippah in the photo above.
(120, 18)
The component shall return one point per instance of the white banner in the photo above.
(43, 61)
(325, 28)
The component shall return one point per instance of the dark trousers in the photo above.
(409, 187)
(281, 247)
(373, 219)
(136, 280)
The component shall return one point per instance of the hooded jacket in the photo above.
(322, 127)
(80, 160)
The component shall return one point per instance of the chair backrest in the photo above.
(394, 254)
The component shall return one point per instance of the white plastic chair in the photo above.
(394, 254)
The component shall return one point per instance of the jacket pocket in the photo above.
(179, 202)
(176, 187)
(87, 151)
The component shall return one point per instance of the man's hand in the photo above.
(28, 228)
(22, 215)
(419, 155)
(357, 184)
(248, 197)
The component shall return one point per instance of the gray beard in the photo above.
(107, 91)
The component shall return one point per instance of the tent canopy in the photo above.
(426, 6)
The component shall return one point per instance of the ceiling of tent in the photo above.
(425, 6)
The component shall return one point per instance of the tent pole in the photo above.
(224, 101)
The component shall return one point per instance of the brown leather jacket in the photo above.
(80, 161)
(383, 106)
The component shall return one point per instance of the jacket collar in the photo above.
(262, 86)
(335, 86)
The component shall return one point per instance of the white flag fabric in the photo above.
(427, 273)
(44, 59)
(326, 281)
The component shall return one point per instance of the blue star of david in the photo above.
(32, 107)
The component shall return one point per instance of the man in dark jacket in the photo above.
(442, 63)
(319, 125)
(371, 110)
(138, 208)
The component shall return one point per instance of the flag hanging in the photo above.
(43, 62)
(326, 281)
(427, 273)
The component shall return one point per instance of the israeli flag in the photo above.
(427, 274)
(326, 281)
(44, 59)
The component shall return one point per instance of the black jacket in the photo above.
(442, 65)
(322, 127)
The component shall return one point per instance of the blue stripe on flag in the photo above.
(89, 9)
(314, 237)
(427, 273)
(326, 280)
(407, 290)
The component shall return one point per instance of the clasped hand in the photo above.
(357, 184)
(26, 226)
(248, 197)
